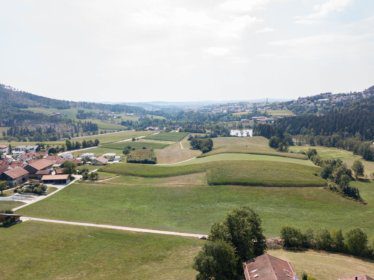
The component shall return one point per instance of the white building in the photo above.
(241, 132)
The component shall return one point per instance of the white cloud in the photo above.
(323, 10)
(217, 51)
(265, 30)
(242, 6)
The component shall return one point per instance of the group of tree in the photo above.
(33, 187)
(281, 142)
(205, 145)
(354, 242)
(3, 187)
(76, 145)
(338, 174)
(237, 239)
(87, 175)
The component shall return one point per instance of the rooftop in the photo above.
(267, 267)
(41, 164)
(16, 172)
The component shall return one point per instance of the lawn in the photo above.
(114, 136)
(235, 172)
(325, 266)
(135, 145)
(346, 156)
(247, 145)
(182, 204)
(168, 136)
(253, 157)
(33, 250)
(8, 205)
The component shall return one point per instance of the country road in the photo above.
(122, 228)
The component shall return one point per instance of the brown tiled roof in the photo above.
(3, 147)
(267, 267)
(55, 177)
(41, 164)
(56, 159)
(102, 160)
(358, 277)
(16, 173)
(43, 172)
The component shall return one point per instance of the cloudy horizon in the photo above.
(186, 50)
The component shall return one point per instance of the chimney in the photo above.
(356, 277)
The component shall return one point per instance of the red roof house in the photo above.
(38, 165)
(15, 176)
(267, 267)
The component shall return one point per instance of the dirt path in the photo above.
(122, 228)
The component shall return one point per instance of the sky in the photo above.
(186, 50)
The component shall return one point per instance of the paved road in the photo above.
(122, 228)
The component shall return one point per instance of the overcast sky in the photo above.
(183, 50)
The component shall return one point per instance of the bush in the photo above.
(292, 238)
(36, 188)
(357, 242)
(358, 168)
(205, 145)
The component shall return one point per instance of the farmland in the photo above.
(246, 172)
(168, 136)
(187, 204)
(135, 145)
(69, 252)
(176, 152)
(249, 145)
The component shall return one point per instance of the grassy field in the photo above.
(8, 205)
(247, 145)
(176, 152)
(184, 204)
(106, 125)
(168, 136)
(135, 145)
(253, 157)
(235, 172)
(325, 266)
(48, 251)
(345, 156)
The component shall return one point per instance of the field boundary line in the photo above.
(113, 227)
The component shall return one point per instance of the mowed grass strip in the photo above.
(168, 136)
(265, 173)
(325, 266)
(34, 250)
(251, 173)
(247, 145)
(156, 204)
(9, 205)
(135, 145)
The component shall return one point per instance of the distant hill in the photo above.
(32, 117)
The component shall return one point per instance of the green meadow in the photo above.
(34, 250)
(168, 136)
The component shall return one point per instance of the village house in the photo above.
(100, 161)
(267, 267)
(110, 156)
(38, 168)
(15, 176)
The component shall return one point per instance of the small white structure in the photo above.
(241, 132)
(110, 156)
(87, 156)
(67, 156)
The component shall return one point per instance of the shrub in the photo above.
(205, 145)
(358, 168)
(357, 242)
(292, 238)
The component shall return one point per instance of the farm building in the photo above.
(15, 176)
(61, 179)
(38, 165)
(241, 132)
(100, 161)
(267, 267)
